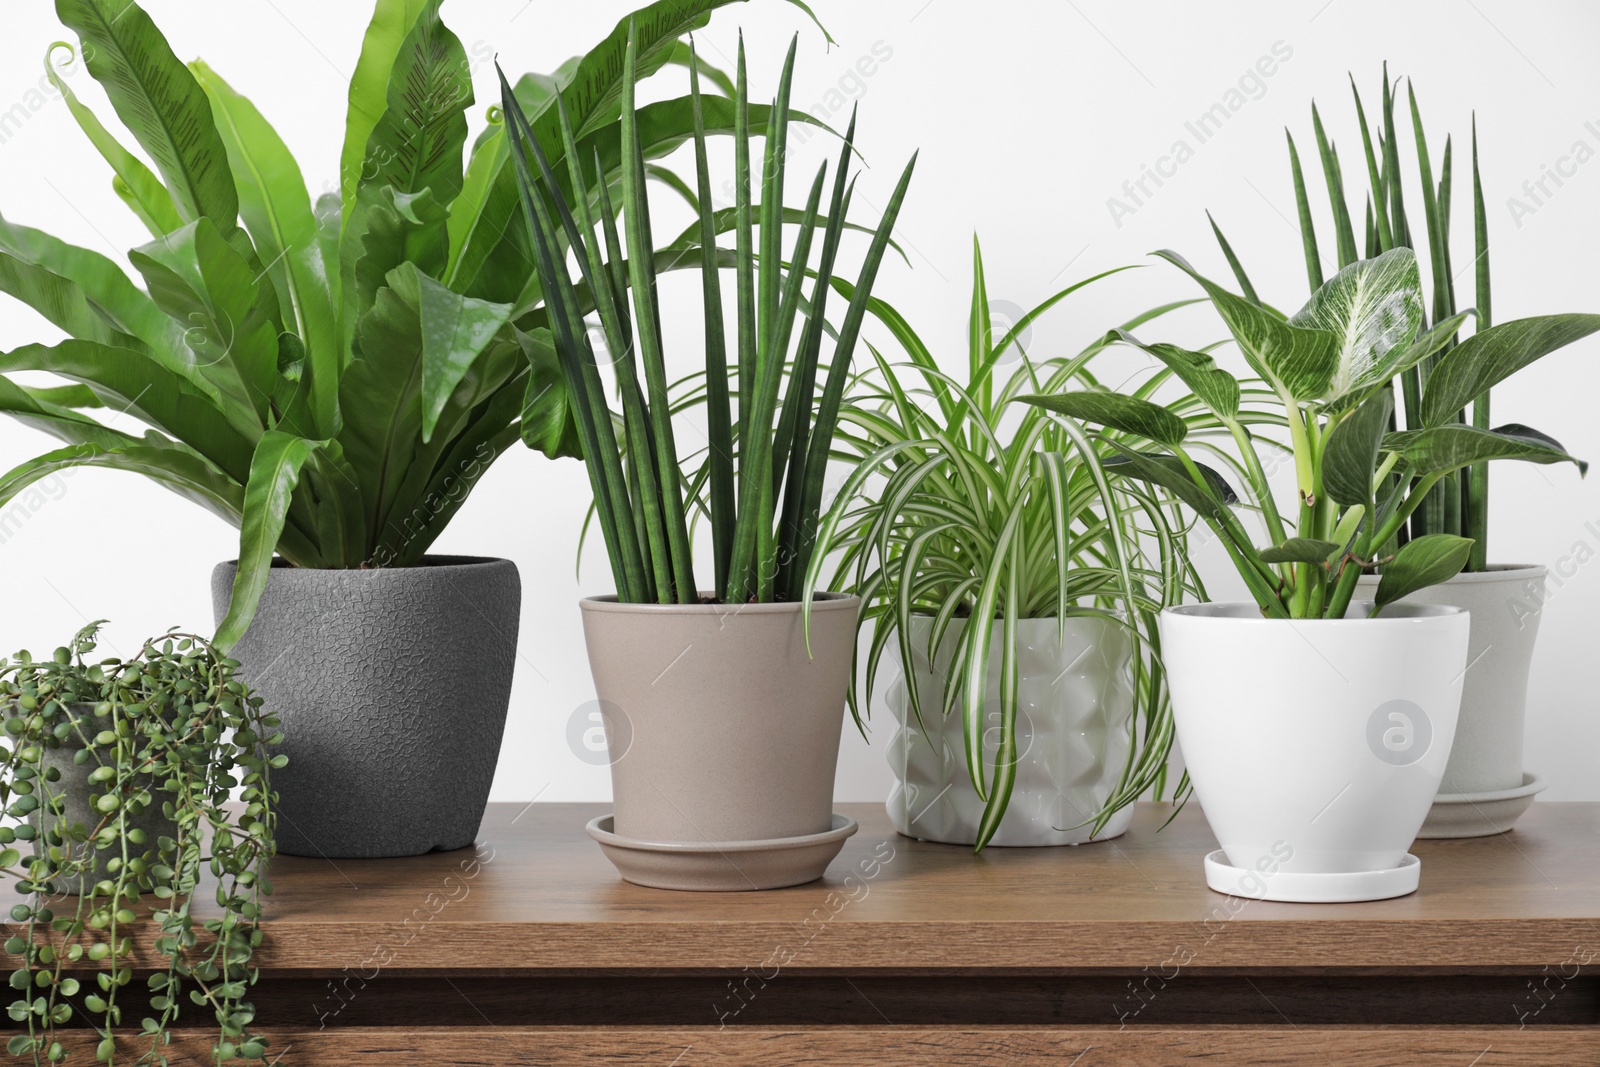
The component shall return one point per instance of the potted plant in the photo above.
(1485, 785)
(1315, 730)
(1018, 585)
(332, 377)
(120, 775)
(723, 712)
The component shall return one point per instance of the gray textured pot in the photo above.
(720, 726)
(74, 784)
(1505, 603)
(393, 686)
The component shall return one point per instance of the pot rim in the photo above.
(1496, 572)
(441, 562)
(1248, 613)
(820, 602)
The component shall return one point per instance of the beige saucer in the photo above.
(722, 866)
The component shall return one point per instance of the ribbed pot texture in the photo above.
(1505, 604)
(720, 726)
(1074, 717)
(393, 686)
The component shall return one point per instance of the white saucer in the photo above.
(722, 866)
(1480, 814)
(1305, 888)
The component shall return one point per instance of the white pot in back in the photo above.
(1315, 746)
(1485, 785)
(1075, 712)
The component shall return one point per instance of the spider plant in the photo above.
(972, 513)
(1457, 503)
(333, 377)
(763, 477)
(1330, 367)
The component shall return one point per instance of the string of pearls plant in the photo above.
(119, 775)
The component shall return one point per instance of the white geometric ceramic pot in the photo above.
(1074, 717)
(1316, 746)
(1505, 603)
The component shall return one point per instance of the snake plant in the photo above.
(331, 376)
(959, 514)
(762, 481)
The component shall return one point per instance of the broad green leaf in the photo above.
(108, 290)
(393, 229)
(1350, 457)
(132, 383)
(417, 142)
(455, 331)
(1170, 473)
(1125, 413)
(1429, 343)
(1441, 449)
(1300, 550)
(201, 280)
(59, 422)
(277, 211)
(158, 100)
(548, 423)
(1215, 387)
(381, 394)
(274, 473)
(369, 88)
(1421, 562)
(1490, 356)
(144, 191)
(1374, 307)
(1298, 363)
(59, 301)
(177, 469)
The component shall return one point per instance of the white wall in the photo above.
(1030, 116)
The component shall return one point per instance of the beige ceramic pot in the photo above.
(721, 727)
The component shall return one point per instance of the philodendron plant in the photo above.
(1330, 366)
(331, 377)
(121, 776)
(762, 480)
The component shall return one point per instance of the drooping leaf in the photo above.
(157, 98)
(1126, 413)
(1300, 550)
(1441, 449)
(1215, 387)
(274, 472)
(1297, 362)
(548, 422)
(455, 330)
(1421, 562)
(1374, 307)
(1490, 356)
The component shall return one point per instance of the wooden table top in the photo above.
(538, 896)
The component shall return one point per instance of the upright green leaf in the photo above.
(1350, 457)
(276, 210)
(158, 100)
(391, 25)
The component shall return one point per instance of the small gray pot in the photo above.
(721, 727)
(393, 686)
